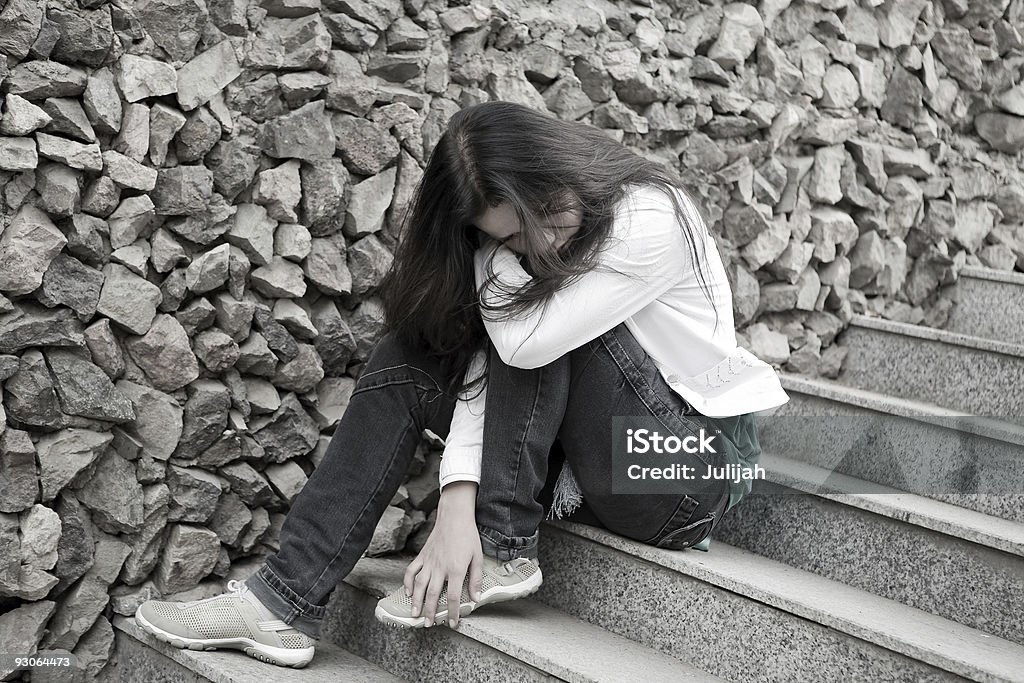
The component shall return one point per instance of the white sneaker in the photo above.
(234, 620)
(501, 581)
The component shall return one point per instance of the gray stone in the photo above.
(739, 34)
(128, 299)
(767, 344)
(206, 75)
(954, 46)
(334, 342)
(27, 246)
(18, 154)
(1004, 132)
(141, 77)
(19, 487)
(333, 394)
(128, 173)
(40, 532)
(194, 493)
(903, 98)
(174, 25)
(234, 162)
(300, 134)
(189, 556)
(249, 484)
(366, 147)
(30, 397)
(22, 628)
(85, 157)
(216, 350)
(101, 197)
(37, 80)
(76, 548)
(255, 356)
(832, 231)
(133, 138)
(295, 319)
(69, 282)
(113, 495)
(252, 231)
(21, 117)
(263, 396)
(279, 190)
(233, 316)
(287, 479)
(326, 266)
(85, 37)
(68, 118)
(164, 124)
(302, 373)
(896, 22)
(102, 102)
(824, 185)
(206, 417)
(182, 190)
(279, 278)
(158, 422)
(300, 87)
(368, 261)
(324, 196)
(208, 271)
(197, 315)
(288, 433)
(368, 204)
(21, 21)
(130, 220)
(164, 354)
(198, 136)
(58, 187)
(290, 44)
(231, 519)
(84, 389)
(768, 245)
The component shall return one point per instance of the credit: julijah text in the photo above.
(645, 441)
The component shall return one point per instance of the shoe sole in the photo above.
(294, 658)
(497, 594)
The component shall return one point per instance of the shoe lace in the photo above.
(238, 588)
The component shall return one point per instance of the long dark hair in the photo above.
(497, 152)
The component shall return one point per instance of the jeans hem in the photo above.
(504, 548)
(285, 603)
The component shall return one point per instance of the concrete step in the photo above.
(957, 371)
(141, 657)
(973, 462)
(746, 617)
(990, 304)
(959, 564)
(521, 640)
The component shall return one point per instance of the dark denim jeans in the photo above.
(566, 406)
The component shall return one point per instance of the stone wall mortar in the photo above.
(198, 200)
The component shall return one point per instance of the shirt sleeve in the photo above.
(645, 255)
(463, 449)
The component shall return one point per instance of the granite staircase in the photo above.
(885, 544)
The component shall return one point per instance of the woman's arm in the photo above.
(463, 449)
(645, 256)
(453, 547)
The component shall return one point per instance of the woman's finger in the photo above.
(419, 588)
(476, 576)
(410, 575)
(432, 596)
(455, 581)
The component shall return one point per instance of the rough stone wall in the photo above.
(198, 198)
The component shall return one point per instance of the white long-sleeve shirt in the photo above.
(644, 277)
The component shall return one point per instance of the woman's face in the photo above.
(501, 223)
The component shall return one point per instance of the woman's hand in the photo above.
(452, 548)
